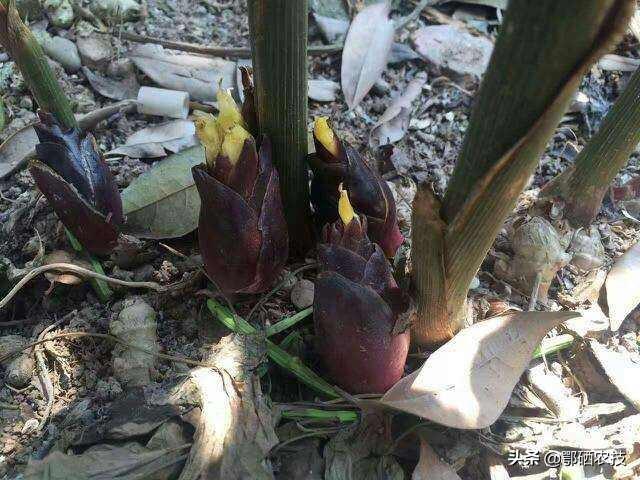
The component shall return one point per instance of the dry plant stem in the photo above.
(279, 51)
(43, 372)
(231, 52)
(69, 267)
(27, 53)
(515, 114)
(583, 186)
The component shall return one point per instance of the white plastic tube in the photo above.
(164, 103)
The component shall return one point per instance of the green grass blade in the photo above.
(100, 286)
(274, 352)
(553, 345)
(289, 339)
(317, 414)
(288, 322)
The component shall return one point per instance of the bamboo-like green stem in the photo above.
(584, 185)
(28, 55)
(279, 52)
(526, 89)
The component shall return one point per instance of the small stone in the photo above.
(143, 273)
(302, 294)
(122, 10)
(95, 51)
(60, 13)
(63, 51)
(18, 368)
(30, 426)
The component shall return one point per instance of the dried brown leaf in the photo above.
(15, 149)
(430, 467)
(467, 382)
(189, 73)
(394, 122)
(620, 370)
(365, 52)
(621, 292)
(115, 89)
(156, 140)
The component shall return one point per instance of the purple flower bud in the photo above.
(76, 181)
(336, 163)
(242, 230)
(357, 306)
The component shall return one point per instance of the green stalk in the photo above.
(99, 286)
(553, 345)
(343, 416)
(279, 52)
(28, 55)
(525, 91)
(584, 185)
(276, 354)
(288, 322)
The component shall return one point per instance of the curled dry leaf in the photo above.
(115, 89)
(621, 293)
(155, 141)
(394, 122)
(467, 382)
(200, 76)
(128, 462)
(15, 149)
(163, 202)
(365, 52)
(620, 370)
(430, 467)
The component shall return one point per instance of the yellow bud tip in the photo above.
(207, 132)
(229, 115)
(323, 133)
(233, 143)
(345, 210)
